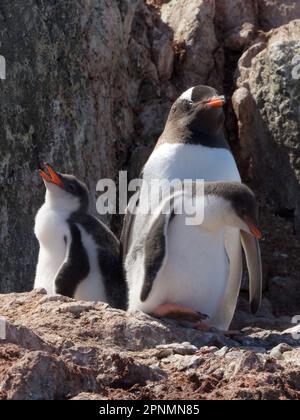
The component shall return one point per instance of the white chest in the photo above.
(185, 161)
(52, 232)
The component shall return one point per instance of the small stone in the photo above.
(163, 353)
(278, 351)
(257, 350)
(55, 298)
(188, 362)
(222, 352)
(76, 308)
(234, 354)
(208, 349)
(183, 349)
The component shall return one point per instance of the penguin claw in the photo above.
(202, 316)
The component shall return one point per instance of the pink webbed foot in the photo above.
(178, 312)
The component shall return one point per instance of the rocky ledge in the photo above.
(58, 348)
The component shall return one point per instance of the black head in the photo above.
(65, 189)
(200, 109)
(244, 204)
(241, 208)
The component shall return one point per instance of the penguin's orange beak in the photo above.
(216, 102)
(52, 178)
(252, 227)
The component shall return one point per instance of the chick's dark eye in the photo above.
(71, 188)
(244, 211)
(188, 105)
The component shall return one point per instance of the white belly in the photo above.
(195, 274)
(52, 232)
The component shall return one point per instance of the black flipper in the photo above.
(128, 224)
(76, 267)
(155, 249)
(108, 257)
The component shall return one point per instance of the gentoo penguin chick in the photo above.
(183, 269)
(79, 256)
(192, 146)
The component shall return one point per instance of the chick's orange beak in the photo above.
(52, 178)
(216, 102)
(253, 229)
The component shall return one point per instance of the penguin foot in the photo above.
(178, 312)
(201, 326)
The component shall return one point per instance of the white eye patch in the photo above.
(187, 94)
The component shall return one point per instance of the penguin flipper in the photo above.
(75, 268)
(253, 258)
(233, 251)
(155, 249)
(128, 224)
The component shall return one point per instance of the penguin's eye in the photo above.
(71, 188)
(188, 105)
(244, 211)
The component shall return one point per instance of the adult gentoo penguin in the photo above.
(79, 256)
(192, 146)
(186, 267)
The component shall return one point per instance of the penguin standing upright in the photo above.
(79, 256)
(191, 147)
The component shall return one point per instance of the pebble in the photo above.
(184, 349)
(222, 352)
(75, 308)
(277, 352)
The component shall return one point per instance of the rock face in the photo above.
(267, 107)
(192, 23)
(275, 13)
(57, 348)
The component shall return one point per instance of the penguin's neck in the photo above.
(182, 134)
(61, 204)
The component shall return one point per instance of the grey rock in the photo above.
(241, 362)
(85, 396)
(275, 13)
(183, 363)
(176, 348)
(269, 87)
(222, 352)
(40, 376)
(75, 308)
(24, 337)
(292, 357)
(278, 351)
(119, 371)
